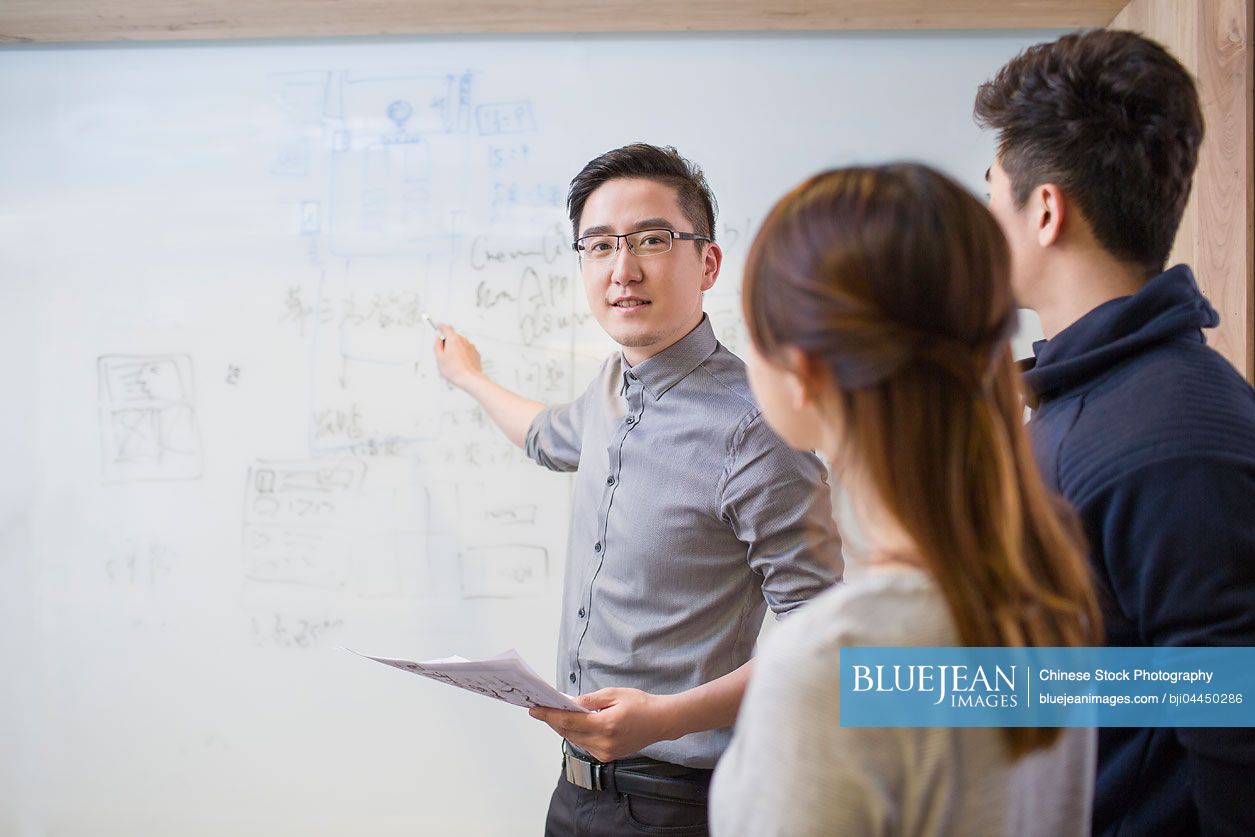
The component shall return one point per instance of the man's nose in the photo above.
(626, 267)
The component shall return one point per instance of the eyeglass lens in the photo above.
(641, 243)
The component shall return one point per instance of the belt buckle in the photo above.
(581, 773)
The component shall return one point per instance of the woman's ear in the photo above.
(804, 380)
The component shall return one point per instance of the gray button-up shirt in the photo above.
(689, 517)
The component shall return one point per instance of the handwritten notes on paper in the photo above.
(504, 677)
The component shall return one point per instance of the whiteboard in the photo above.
(227, 452)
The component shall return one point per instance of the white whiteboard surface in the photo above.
(226, 449)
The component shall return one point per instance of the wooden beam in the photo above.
(44, 21)
(1212, 38)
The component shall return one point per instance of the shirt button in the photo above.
(572, 677)
(631, 419)
(597, 547)
(581, 613)
(610, 480)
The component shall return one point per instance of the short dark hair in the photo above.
(1114, 120)
(650, 162)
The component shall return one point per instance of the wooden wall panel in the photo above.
(1223, 239)
(130, 20)
(1212, 38)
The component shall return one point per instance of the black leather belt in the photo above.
(639, 777)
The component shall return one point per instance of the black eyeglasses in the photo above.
(639, 243)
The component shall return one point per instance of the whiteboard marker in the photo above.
(433, 326)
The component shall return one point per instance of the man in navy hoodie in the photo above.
(1149, 433)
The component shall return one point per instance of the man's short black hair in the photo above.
(650, 162)
(1112, 119)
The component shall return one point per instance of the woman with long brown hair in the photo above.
(879, 306)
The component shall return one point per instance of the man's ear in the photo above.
(712, 259)
(1049, 207)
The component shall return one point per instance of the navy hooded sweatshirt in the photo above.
(1150, 435)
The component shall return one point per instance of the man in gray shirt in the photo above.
(690, 517)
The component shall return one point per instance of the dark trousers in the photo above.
(576, 812)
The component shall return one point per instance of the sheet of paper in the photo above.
(504, 677)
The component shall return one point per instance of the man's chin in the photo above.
(635, 340)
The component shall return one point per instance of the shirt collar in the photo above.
(673, 364)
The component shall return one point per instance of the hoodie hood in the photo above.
(1168, 306)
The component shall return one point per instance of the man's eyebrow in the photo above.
(987, 171)
(644, 224)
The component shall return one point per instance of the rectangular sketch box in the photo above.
(148, 418)
(299, 521)
(311, 558)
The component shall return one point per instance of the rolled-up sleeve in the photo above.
(553, 438)
(778, 502)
